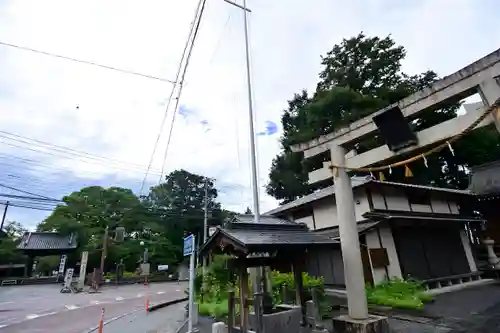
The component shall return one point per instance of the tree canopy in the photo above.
(8, 243)
(361, 75)
(159, 220)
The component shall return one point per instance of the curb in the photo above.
(93, 329)
(165, 304)
(150, 309)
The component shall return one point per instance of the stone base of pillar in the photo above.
(374, 324)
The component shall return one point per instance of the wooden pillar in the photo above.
(230, 312)
(297, 273)
(243, 298)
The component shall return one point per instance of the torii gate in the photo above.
(482, 76)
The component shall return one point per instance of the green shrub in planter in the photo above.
(398, 293)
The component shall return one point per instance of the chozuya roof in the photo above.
(270, 233)
(47, 241)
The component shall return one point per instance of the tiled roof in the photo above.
(259, 240)
(263, 219)
(286, 237)
(356, 182)
(47, 241)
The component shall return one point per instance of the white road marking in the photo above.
(71, 307)
(177, 290)
(160, 292)
(119, 298)
(32, 316)
(139, 295)
(3, 303)
(94, 302)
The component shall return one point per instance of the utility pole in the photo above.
(255, 273)
(104, 252)
(205, 222)
(4, 215)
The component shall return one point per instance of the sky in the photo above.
(115, 117)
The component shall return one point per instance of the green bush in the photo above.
(398, 293)
(216, 310)
(212, 288)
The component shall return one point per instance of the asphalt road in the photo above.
(167, 320)
(44, 309)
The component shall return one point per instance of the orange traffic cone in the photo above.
(147, 293)
(101, 321)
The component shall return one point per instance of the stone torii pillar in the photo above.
(349, 238)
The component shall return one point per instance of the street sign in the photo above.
(189, 250)
(162, 267)
(211, 231)
(188, 245)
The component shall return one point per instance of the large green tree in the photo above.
(8, 243)
(180, 201)
(361, 75)
(91, 210)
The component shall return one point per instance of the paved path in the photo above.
(167, 320)
(44, 309)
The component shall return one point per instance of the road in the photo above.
(44, 309)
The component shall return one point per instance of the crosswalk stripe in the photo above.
(119, 298)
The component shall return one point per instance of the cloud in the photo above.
(118, 115)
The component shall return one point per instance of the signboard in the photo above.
(83, 270)
(62, 263)
(163, 267)
(68, 278)
(211, 231)
(188, 245)
(145, 269)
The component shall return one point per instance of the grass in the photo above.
(398, 293)
(216, 310)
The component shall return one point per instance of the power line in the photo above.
(60, 151)
(25, 192)
(162, 124)
(69, 157)
(125, 71)
(80, 152)
(13, 196)
(180, 88)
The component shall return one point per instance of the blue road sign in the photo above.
(188, 245)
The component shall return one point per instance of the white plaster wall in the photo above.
(325, 211)
(361, 203)
(378, 200)
(440, 205)
(308, 220)
(396, 199)
(373, 242)
(421, 208)
(468, 251)
(453, 207)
